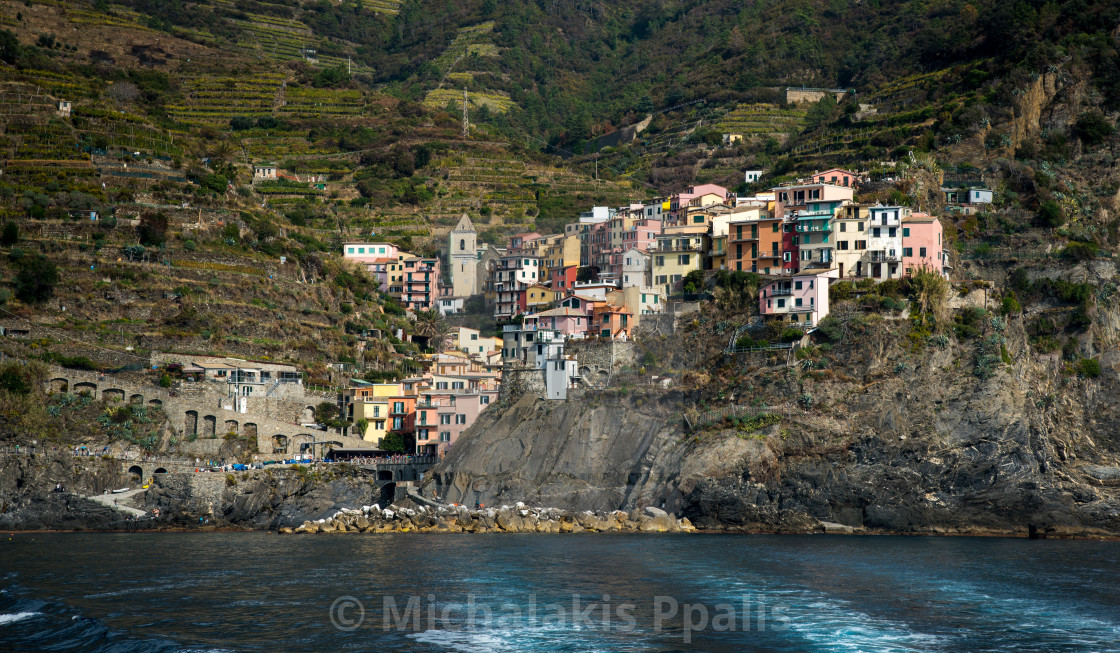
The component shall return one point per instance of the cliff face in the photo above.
(929, 448)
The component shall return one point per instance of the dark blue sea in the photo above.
(494, 593)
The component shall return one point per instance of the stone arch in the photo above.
(136, 399)
(250, 430)
(279, 442)
(385, 475)
(160, 470)
(155, 403)
(585, 372)
(85, 388)
(209, 423)
(300, 443)
(60, 385)
(136, 471)
(307, 415)
(231, 426)
(113, 394)
(190, 424)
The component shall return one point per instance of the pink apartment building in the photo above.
(922, 243)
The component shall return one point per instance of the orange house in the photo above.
(611, 321)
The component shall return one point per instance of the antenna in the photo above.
(466, 122)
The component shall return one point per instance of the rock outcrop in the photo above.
(518, 518)
(932, 449)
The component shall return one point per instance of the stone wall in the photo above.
(598, 359)
(518, 381)
(204, 410)
(812, 94)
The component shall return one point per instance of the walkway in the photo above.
(108, 500)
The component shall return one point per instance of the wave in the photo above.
(6, 619)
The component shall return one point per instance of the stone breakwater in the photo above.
(518, 518)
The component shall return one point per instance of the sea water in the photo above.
(524, 592)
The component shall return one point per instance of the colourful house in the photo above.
(922, 244)
(568, 321)
(801, 298)
(609, 321)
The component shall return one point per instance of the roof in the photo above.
(215, 366)
(923, 218)
(562, 311)
(464, 224)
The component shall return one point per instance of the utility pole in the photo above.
(466, 122)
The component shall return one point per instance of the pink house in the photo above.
(802, 297)
(569, 321)
(922, 243)
(519, 242)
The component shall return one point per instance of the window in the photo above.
(398, 407)
(683, 259)
(484, 400)
(781, 303)
(797, 285)
(444, 419)
(659, 261)
(797, 301)
(361, 250)
(460, 419)
(861, 244)
(445, 436)
(907, 251)
(422, 434)
(474, 336)
(843, 226)
(922, 252)
(906, 232)
(739, 232)
(457, 385)
(786, 257)
(441, 385)
(349, 250)
(774, 227)
(860, 224)
(875, 233)
(893, 232)
(398, 423)
(841, 244)
(377, 411)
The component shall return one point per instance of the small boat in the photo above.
(123, 489)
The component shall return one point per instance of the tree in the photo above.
(589, 274)
(432, 326)
(153, 229)
(360, 426)
(693, 282)
(123, 91)
(10, 235)
(393, 443)
(12, 380)
(10, 50)
(36, 279)
(325, 413)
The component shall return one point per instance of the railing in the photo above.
(878, 257)
(780, 292)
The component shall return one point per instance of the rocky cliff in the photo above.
(886, 438)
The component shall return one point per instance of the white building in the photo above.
(752, 176)
(636, 269)
(884, 241)
(264, 171)
(979, 196)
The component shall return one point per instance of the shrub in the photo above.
(153, 229)
(1010, 305)
(792, 334)
(1093, 128)
(1050, 214)
(165, 381)
(190, 245)
(10, 235)
(1088, 368)
(36, 279)
(1080, 251)
(12, 380)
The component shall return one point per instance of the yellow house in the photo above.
(679, 250)
(538, 297)
(718, 253)
(371, 402)
(559, 252)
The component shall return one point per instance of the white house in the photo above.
(264, 171)
(751, 176)
(979, 196)
(635, 269)
(884, 241)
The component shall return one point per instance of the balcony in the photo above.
(780, 292)
(884, 257)
(814, 228)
